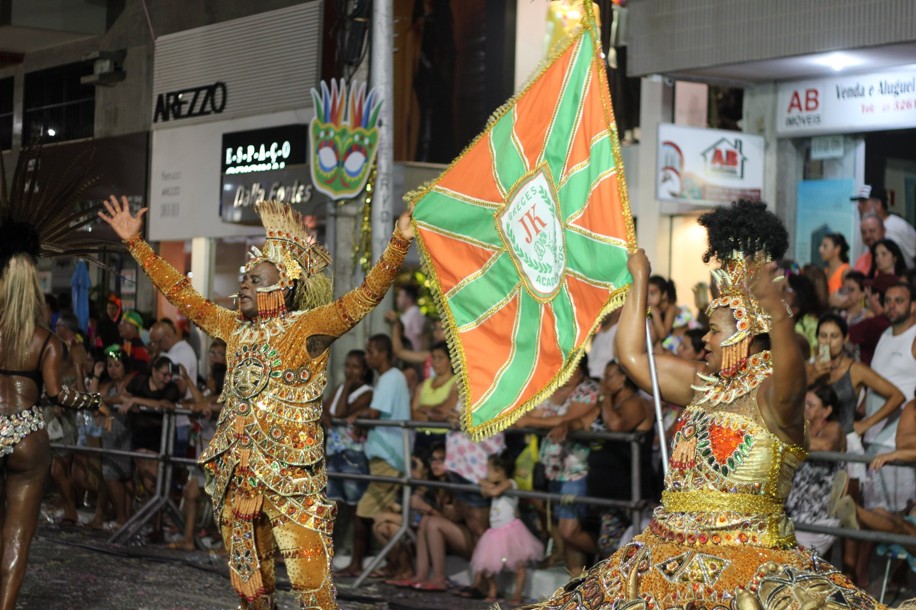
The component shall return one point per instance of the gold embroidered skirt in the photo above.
(654, 574)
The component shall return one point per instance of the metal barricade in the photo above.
(636, 505)
(160, 499)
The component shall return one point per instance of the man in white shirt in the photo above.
(412, 319)
(164, 338)
(895, 358)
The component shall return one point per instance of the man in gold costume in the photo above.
(265, 466)
(721, 539)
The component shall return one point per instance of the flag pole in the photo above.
(656, 395)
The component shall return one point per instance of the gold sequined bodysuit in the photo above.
(268, 450)
(721, 538)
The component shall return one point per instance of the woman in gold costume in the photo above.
(265, 469)
(721, 539)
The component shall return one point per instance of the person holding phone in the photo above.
(848, 377)
(834, 367)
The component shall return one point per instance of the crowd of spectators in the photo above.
(856, 328)
(142, 369)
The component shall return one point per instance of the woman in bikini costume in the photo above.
(30, 354)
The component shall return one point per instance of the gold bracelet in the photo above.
(399, 241)
(133, 240)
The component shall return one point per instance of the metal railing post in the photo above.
(405, 513)
(160, 499)
(636, 481)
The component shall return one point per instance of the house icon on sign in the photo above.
(724, 158)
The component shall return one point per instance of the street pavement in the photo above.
(72, 568)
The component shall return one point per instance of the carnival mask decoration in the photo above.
(344, 137)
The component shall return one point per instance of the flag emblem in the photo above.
(533, 233)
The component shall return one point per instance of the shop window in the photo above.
(56, 106)
(726, 107)
(6, 113)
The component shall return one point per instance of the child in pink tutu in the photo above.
(507, 545)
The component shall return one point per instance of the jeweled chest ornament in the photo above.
(252, 368)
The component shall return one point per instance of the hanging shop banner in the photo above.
(264, 164)
(344, 137)
(703, 166)
(525, 237)
(847, 104)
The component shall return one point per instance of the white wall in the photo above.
(530, 35)
(688, 243)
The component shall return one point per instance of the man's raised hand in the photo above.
(119, 217)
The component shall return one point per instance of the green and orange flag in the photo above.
(526, 236)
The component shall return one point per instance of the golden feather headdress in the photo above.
(295, 254)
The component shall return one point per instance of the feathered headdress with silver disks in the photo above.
(43, 210)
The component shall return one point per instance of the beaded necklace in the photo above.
(735, 382)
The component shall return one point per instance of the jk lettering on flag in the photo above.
(526, 237)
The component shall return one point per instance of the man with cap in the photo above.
(265, 465)
(895, 227)
(129, 327)
(861, 196)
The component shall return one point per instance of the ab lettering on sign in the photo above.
(811, 101)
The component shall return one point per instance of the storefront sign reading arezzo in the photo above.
(530, 227)
(191, 102)
(708, 165)
(847, 104)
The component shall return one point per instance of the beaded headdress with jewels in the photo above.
(743, 237)
(732, 280)
(292, 250)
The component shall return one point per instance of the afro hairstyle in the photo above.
(744, 226)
